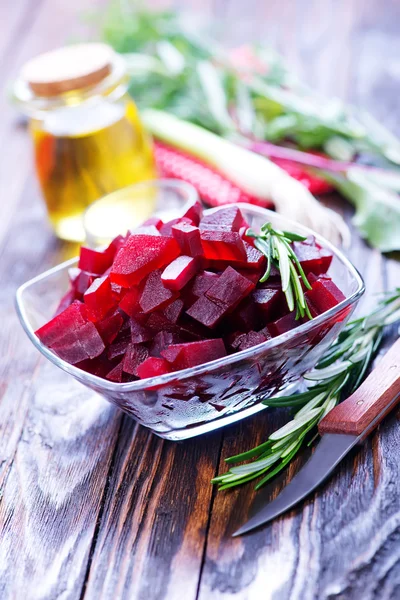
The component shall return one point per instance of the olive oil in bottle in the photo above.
(88, 138)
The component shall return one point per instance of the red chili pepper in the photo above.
(214, 188)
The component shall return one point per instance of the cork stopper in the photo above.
(68, 68)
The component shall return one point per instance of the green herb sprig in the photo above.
(337, 375)
(276, 247)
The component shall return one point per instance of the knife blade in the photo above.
(342, 428)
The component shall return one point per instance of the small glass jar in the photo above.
(88, 138)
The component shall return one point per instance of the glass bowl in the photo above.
(193, 401)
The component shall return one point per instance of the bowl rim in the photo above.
(170, 378)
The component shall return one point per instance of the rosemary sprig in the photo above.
(337, 375)
(276, 247)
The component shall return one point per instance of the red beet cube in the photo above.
(118, 349)
(268, 300)
(130, 302)
(245, 316)
(109, 327)
(324, 294)
(156, 221)
(188, 238)
(183, 356)
(99, 299)
(312, 258)
(155, 295)
(72, 318)
(81, 281)
(141, 255)
(223, 245)
(134, 355)
(194, 212)
(153, 367)
(139, 333)
(174, 310)
(254, 258)
(248, 340)
(95, 261)
(202, 282)
(162, 340)
(230, 288)
(166, 228)
(177, 274)
(79, 344)
(225, 219)
(116, 373)
(207, 312)
(284, 324)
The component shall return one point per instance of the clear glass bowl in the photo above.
(193, 401)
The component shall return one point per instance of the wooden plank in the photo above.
(151, 536)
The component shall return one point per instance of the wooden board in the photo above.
(93, 506)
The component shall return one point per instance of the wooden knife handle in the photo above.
(371, 402)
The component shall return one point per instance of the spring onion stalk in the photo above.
(253, 173)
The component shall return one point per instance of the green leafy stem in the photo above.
(337, 375)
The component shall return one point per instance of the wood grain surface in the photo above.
(93, 506)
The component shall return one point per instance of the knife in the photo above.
(341, 429)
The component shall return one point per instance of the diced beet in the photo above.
(72, 318)
(139, 333)
(172, 353)
(79, 344)
(174, 310)
(225, 219)
(134, 355)
(65, 301)
(153, 367)
(248, 340)
(161, 340)
(324, 294)
(245, 316)
(284, 324)
(202, 282)
(268, 300)
(230, 288)
(254, 258)
(157, 321)
(110, 327)
(118, 349)
(312, 259)
(155, 295)
(116, 373)
(81, 280)
(141, 255)
(130, 302)
(194, 212)
(177, 274)
(94, 261)
(266, 332)
(253, 276)
(223, 245)
(166, 228)
(99, 299)
(188, 238)
(207, 312)
(194, 353)
(156, 221)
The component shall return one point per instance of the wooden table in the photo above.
(93, 506)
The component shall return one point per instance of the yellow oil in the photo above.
(85, 152)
